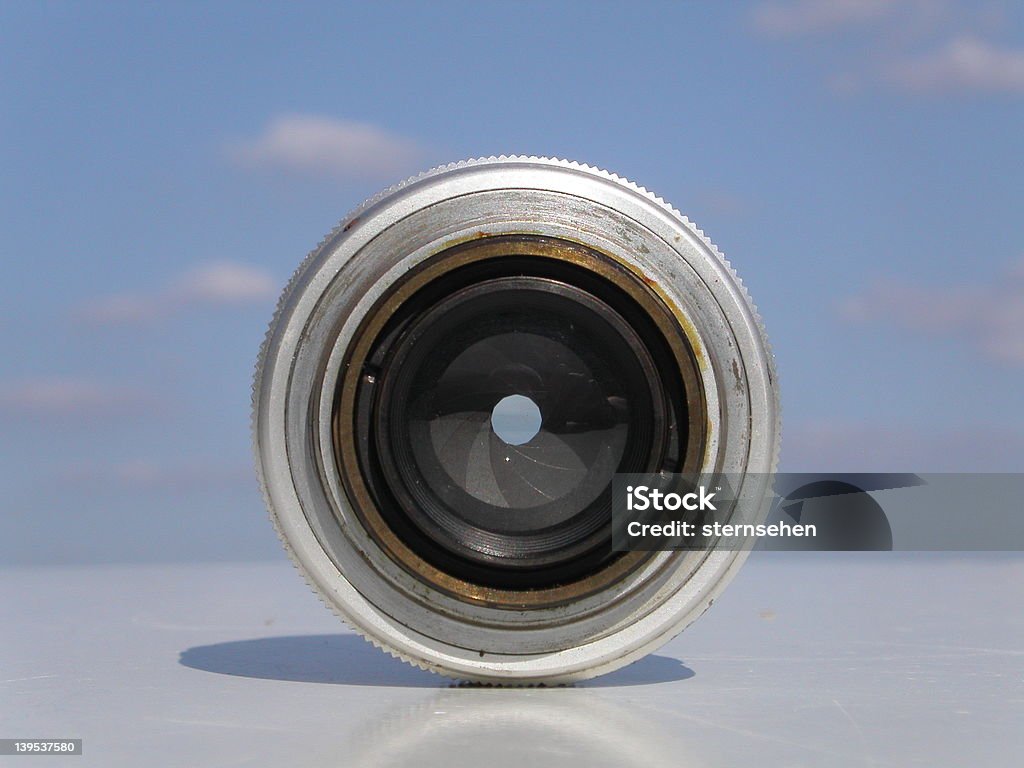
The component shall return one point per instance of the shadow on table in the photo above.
(350, 660)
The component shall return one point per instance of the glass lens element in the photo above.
(460, 370)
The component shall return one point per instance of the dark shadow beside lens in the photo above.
(342, 659)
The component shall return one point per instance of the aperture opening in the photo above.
(516, 419)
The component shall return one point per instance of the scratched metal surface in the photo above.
(816, 660)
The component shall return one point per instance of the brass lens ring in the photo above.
(475, 251)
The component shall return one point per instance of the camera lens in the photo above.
(451, 383)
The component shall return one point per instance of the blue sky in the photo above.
(163, 169)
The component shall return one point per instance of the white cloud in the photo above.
(70, 396)
(845, 447)
(964, 64)
(921, 46)
(221, 283)
(327, 147)
(806, 17)
(719, 202)
(989, 317)
(225, 282)
(151, 475)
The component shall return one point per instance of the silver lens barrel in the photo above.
(506, 280)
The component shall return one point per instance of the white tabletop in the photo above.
(806, 660)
